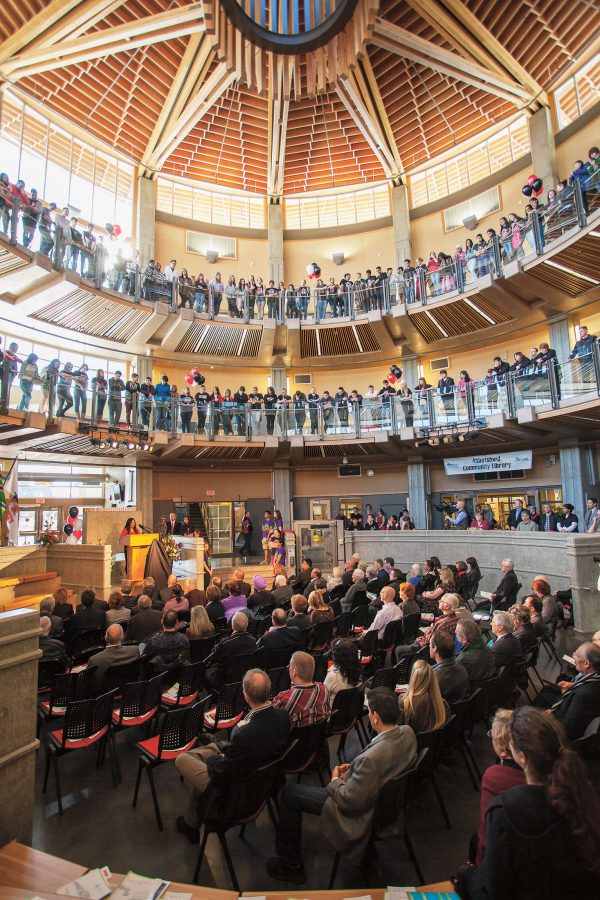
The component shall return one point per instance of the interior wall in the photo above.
(192, 486)
(252, 255)
(222, 376)
(576, 147)
(326, 482)
(361, 251)
(541, 474)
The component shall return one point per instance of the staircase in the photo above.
(196, 519)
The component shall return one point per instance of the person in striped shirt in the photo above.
(306, 701)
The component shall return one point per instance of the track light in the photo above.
(433, 441)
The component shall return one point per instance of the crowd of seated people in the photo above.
(362, 292)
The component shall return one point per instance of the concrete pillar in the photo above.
(145, 219)
(143, 366)
(275, 238)
(409, 368)
(401, 224)
(578, 476)
(419, 492)
(559, 337)
(543, 148)
(279, 379)
(282, 492)
(144, 491)
(19, 655)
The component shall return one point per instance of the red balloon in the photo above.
(391, 378)
(117, 230)
(70, 520)
(538, 192)
(78, 535)
(531, 179)
(189, 379)
(194, 371)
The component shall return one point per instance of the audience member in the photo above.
(168, 647)
(145, 622)
(524, 630)
(452, 676)
(282, 591)
(51, 647)
(541, 590)
(319, 610)
(474, 656)
(345, 673)
(62, 607)
(298, 616)
(422, 706)
(117, 612)
(86, 616)
(306, 701)
(47, 605)
(506, 648)
(535, 607)
(577, 702)
(196, 596)
(236, 601)
(280, 636)
(506, 592)
(115, 654)
(235, 644)
(260, 596)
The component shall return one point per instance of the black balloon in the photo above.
(68, 530)
(527, 190)
(537, 185)
(316, 270)
(199, 379)
(74, 511)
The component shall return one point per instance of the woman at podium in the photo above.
(131, 527)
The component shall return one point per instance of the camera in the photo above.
(446, 508)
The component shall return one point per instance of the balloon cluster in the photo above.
(195, 376)
(313, 270)
(534, 186)
(73, 524)
(113, 229)
(394, 375)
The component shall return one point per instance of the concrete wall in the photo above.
(106, 525)
(564, 560)
(82, 566)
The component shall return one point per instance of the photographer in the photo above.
(461, 520)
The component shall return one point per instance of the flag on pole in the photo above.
(9, 505)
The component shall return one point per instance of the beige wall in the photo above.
(326, 483)
(540, 474)
(349, 375)
(226, 485)
(576, 147)
(362, 251)
(252, 256)
(222, 376)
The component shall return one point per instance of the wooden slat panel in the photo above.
(564, 281)
(92, 314)
(220, 340)
(308, 342)
(367, 338)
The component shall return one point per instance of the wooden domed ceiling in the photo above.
(174, 86)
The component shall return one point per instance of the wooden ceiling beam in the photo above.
(425, 53)
(52, 13)
(281, 74)
(75, 23)
(349, 92)
(163, 26)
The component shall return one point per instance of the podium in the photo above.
(136, 551)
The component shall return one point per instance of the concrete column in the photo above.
(410, 369)
(419, 492)
(144, 490)
(282, 492)
(578, 475)
(543, 148)
(19, 655)
(275, 238)
(279, 379)
(143, 366)
(145, 219)
(559, 337)
(401, 224)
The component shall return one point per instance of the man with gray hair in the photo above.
(115, 654)
(56, 623)
(50, 647)
(144, 621)
(579, 700)
(239, 641)
(506, 648)
(506, 593)
(283, 592)
(259, 738)
(478, 660)
(358, 586)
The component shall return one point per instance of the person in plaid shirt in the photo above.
(446, 622)
(306, 701)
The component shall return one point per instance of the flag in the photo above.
(9, 503)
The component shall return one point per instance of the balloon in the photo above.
(537, 185)
(391, 378)
(396, 370)
(310, 269)
(531, 179)
(74, 511)
(70, 520)
(316, 269)
(109, 228)
(527, 190)
(194, 370)
(78, 534)
(199, 379)
(189, 379)
(68, 530)
(117, 230)
(538, 192)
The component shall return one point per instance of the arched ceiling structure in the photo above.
(176, 88)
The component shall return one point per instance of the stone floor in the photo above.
(100, 827)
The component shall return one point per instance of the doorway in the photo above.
(317, 542)
(502, 504)
(320, 510)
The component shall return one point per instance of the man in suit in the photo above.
(506, 648)
(580, 700)
(47, 609)
(548, 519)
(506, 592)
(87, 616)
(239, 642)
(260, 737)
(282, 592)
(50, 647)
(514, 516)
(347, 804)
(299, 581)
(61, 607)
(173, 526)
(349, 569)
(452, 676)
(475, 657)
(115, 654)
(238, 575)
(166, 593)
(145, 622)
(446, 391)
(358, 586)
(280, 635)
(315, 576)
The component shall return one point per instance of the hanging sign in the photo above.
(497, 462)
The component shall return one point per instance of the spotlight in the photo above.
(102, 444)
(113, 444)
(130, 445)
(151, 449)
(94, 442)
(345, 461)
(423, 442)
(433, 441)
(145, 447)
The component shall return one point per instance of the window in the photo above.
(217, 207)
(479, 206)
(363, 205)
(578, 93)
(196, 242)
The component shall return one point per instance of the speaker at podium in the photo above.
(137, 547)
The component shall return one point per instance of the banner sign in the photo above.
(499, 462)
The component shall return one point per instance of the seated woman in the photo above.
(415, 575)
(445, 586)
(550, 610)
(422, 706)
(178, 602)
(499, 777)
(408, 604)
(319, 610)
(117, 612)
(200, 625)
(345, 672)
(542, 837)
(335, 580)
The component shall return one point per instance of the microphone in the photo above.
(144, 529)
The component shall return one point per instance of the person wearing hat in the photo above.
(116, 386)
(260, 596)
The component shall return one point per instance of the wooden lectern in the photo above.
(136, 551)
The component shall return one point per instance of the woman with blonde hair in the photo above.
(200, 624)
(422, 707)
(446, 585)
(319, 610)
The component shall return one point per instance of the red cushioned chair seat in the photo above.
(365, 660)
(183, 701)
(132, 720)
(56, 710)
(79, 743)
(150, 747)
(358, 629)
(209, 719)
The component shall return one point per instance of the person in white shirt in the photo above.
(388, 613)
(171, 272)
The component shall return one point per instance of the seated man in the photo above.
(506, 592)
(297, 615)
(167, 592)
(115, 654)
(145, 622)
(575, 703)
(280, 635)
(298, 582)
(535, 607)
(214, 603)
(524, 630)
(506, 648)
(452, 676)
(170, 646)
(347, 804)
(260, 737)
(358, 586)
(446, 622)
(282, 591)
(87, 616)
(47, 605)
(306, 701)
(238, 575)
(315, 575)
(475, 657)
(239, 642)
(50, 647)
(389, 612)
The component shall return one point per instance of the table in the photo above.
(342, 894)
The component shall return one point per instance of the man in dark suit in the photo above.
(61, 607)
(358, 587)
(239, 642)
(50, 647)
(580, 700)
(47, 609)
(506, 648)
(315, 576)
(446, 391)
(548, 519)
(514, 516)
(475, 657)
(300, 581)
(506, 592)
(145, 622)
(166, 593)
(452, 676)
(87, 616)
(280, 635)
(282, 592)
(349, 569)
(115, 654)
(238, 575)
(258, 739)
(173, 526)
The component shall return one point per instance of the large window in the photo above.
(578, 93)
(216, 207)
(337, 209)
(97, 186)
(469, 167)
(45, 353)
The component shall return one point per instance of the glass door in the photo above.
(318, 543)
(220, 528)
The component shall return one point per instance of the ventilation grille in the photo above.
(335, 451)
(94, 314)
(442, 363)
(344, 340)
(302, 379)
(479, 206)
(199, 242)
(456, 319)
(220, 340)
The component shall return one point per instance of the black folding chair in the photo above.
(347, 709)
(319, 637)
(310, 741)
(410, 627)
(116, 677)
(280, 680)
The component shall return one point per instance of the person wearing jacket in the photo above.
(162, 398)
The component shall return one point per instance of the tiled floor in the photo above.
(99, 825)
